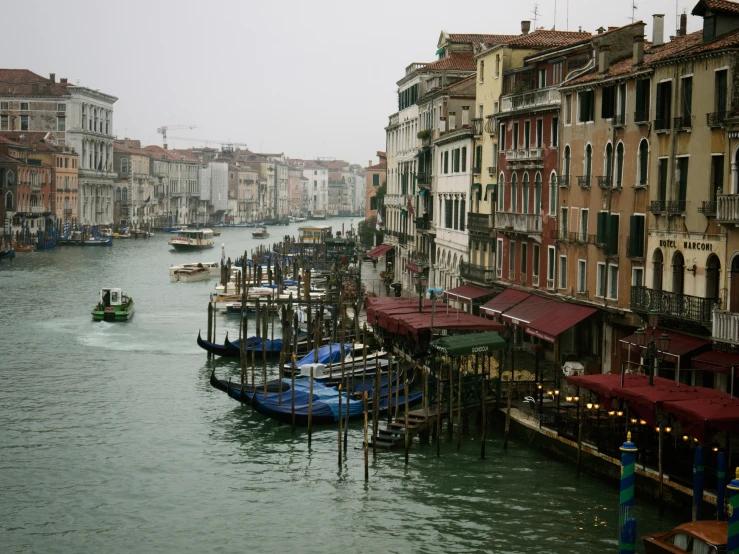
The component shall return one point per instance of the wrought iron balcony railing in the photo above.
(477, 122)
(490, 125)
(563, 181)
(673, 305)
(578, 237)
(423, 224)
(683, 122)
(423, 178)
(477, 273)
(480, 223)
(676, 206)
(584, 181)
(641, 116)
(662, 124)
(658, 206)
(708, 208)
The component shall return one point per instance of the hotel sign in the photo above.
(687, 244)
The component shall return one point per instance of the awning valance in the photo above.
(379, 251)
(490, 187)
(680, 344)
(466, 345)
(468, 293)
(558, 320)
(504, 301)
(719, 362)
(476, 186)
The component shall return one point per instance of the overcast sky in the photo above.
(310, 79)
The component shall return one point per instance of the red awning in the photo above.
(720, 362)
(468, 293)
(644, 400)
(504, 301)
(701, 415)
(558, 320)
(379, 251)
(529, 310)
(605, 385)
(680, 344)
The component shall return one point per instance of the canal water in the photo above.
(112, 440)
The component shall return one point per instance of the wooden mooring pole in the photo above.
(366, 445)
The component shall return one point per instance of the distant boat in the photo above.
(7, 253)
(113, 306)
(260, 233)
(214, 268)
(106, 232)
(192, 239)
(191, 274)
(98, 241)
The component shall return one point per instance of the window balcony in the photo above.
(605, 181)
(477, 169)
(67, 211)
(641, 117)
(707, 208)
(658, 206)
(37, 209)
(727, 208)
(577, 237)
(491, 170)
(676, 207)
(419, 258)
(662, 124)
(563, 181)
(524, 155)
(619, 120)
(490, 125)
(423, 177)
(673, 305)
(584, 181)
(477, 273)
(726, 327)
(716, 119)
(530, 99)
(519, 223)
(480, 224)
(682, 123)
(423, 224)
(477, 123)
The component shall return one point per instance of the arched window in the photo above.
(619, 164)
(678, 273)
(609, 164)
(537, 193)
(643, 162)
(566, 174)
(9, 202)
(713, 277)
(657, 263)
(118, 194)
(553, 194)
(525, 194)
(124, 195)
(588, 164)
(514, 200)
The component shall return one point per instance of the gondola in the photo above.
(226, 350)
(232, 349)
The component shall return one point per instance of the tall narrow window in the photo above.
(464, 159)
(525, 194)
(662, 189)
(717, 176)
(609, 164)
(682, 180)
(514, 199)
(514, 138)
(563, 224)
(535, 260)
(641, 113)
(601, 280)
(720, 94)
(456, 214)
(584, 224)
(462, 214)
(512, 258)
(643, 162)
(537, 193)
(527, 134)
(501, 192)
(553, 195)
(663, 106)
(562, 272)
(551, 255)
(581, 282)
(568, 109)
(539, 132)
(687, 101)
(619, 165)
(588, 164)
(555, 132)
(567, 167)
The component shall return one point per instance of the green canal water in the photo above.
(112, 440)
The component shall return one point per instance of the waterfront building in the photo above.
(77, 117)
(317, 189)
(28, 201)
(213, 192)
(247, 192)
(376, 176)
(134, 190)
(185, 202)
(294, 190)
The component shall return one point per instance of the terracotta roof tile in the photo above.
(477, 40)
(725, 42)
(455, 61)
(715, 6)
(465, 87)
(585, 39)
(30, 139)
(21, 82)
(378, 167)
(549, 39)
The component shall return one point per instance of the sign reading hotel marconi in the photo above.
(686, 244)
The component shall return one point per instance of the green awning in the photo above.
(466, 345)
(422, 192)
(440, 51)
(487, 188)
(477, 186)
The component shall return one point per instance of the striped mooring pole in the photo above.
(627, 524)
(698, 483)
(720, 486)
(732, 543)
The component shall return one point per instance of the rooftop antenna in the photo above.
(634, 7)
(554, 27)
(536, 14)
(567, 21)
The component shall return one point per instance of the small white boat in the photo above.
(106, 232)
(191, 274)
(213, 267)
(260, 233)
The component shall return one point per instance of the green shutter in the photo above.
(611, 233)
(600, 227)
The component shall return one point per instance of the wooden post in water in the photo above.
(438, 414)
(364, 357)
(459, 409)
(375, 408)
(340, 421)
(310, 409)
(450, 415)
(659, 463)
(390, 388)
(484, 412)
(242, 351)
(292, 390)
(214, 322)
(407, 431)
(579, 431)
(264, 349)
(210, 321)
(366, 445)
(508, 412)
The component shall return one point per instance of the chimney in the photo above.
(600, 30)
(638, 56)
(369, 164)
(63, 80)
(604, 60)
(465, 115)
(658, 29)
(452, 121)
(525, 27)
(52, 77)
(683, 25)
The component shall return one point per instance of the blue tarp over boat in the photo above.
(327, 354)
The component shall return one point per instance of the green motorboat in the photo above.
(113, 306)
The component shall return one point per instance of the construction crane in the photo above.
(164, 128)
(225, 144)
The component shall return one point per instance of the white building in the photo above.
(317, 187)
(214, 188)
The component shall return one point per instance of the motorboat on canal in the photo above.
(98, 241)
(214, 268)
(192, 239)
(708, 537)
(260, 233)
(190, 274)
(113, 305)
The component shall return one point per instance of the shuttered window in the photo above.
(636, 236)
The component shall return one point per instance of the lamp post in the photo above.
(653, 352)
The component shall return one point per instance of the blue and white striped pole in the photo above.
(627, 524)
(698, 483)
(720, 486)
(732, 543)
